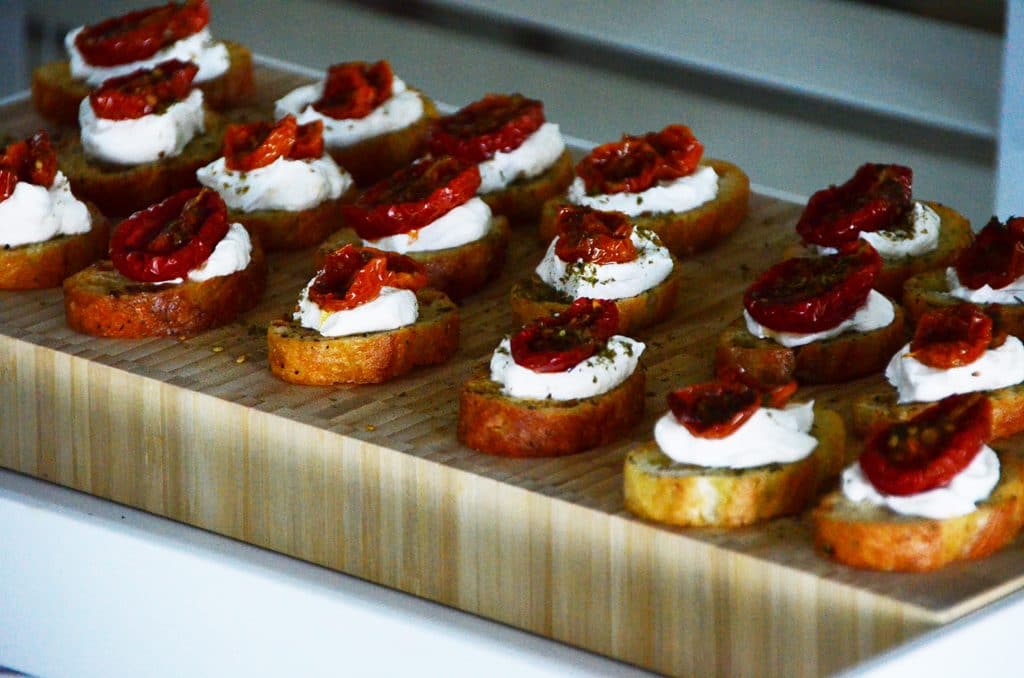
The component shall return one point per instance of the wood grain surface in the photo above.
(371, 480)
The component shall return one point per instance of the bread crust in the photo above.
(292, 230)
(873, 409)
(658, 489)
(850, 355)
(119, 190)
(56, 95)
(522, 200)
(456, 271)
(47, 264)
(930, 291)
(497, 424)
(370, 160)
(303, 356)
(533, 298)
(955, 235)
(685, 232)
(876, 538)
(100, 301)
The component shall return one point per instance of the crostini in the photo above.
(876, 205)
(814, 319)
(522, 158)
(365, 317)
(46, 234)
(925, 493)
(661, 183)
(600, 255)
(374, 125)
(430, 212)
(176, 268)
(558, 386)
(137, 40)
(720, 458)
(279, 183)
(143, 136)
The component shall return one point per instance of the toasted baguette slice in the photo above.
(659, 489)
(865, 536)
(872, 409)
(533, 298)
(522, 200)
(955, 235)
(99, 300)
(494, 423)
(303, 356)
(691, 231)
(285, 230)
(456, 271)
(56, 95)
(370, 160)
(119, 190)
(848, 356)
(46, 264)
(930, 291)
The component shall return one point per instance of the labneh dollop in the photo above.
(876, 312)
(608, 281)
(391, 309)
(34, 214)
(463, 224)
(534, 156)
(199, 48)
(145, 139)
(916, 382)
(682, 194)
(232, 254)
(921, 237)
(597, 374)
(769, 436)
(402, 109)
(285, 184)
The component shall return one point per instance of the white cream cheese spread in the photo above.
(536, 154)
(920, 238)
(1011, 294)
(233, 253)
(391, 309)
(402, 109)
(199, 48)
(680, 195)
(769, 436)
(463, 224)
(959, 497)
(916, 382)
(145, 139)
(877, 312)
(597, 374)
(291, 185)
(608, 281)
(34, 214)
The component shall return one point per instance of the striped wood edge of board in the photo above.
(371, 481)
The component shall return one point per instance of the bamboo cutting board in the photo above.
(371, 480)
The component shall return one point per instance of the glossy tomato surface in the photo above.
(141, 34)
(144, 91)
(594, 236)
(496, 123)
(561, 341)
(352, 276)
(636, 163)
(713, 409)
(951, 337)
(254, 145)
(355, 89)
(996, 258)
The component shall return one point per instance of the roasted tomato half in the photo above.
(412, 197)
(169, 239)
(877, 197)
(590, 235)
(996, 258)
(253, 145)
(496, 123)
(713, 409)
(355, 89)
(32, 160)
(145, 91)
(353, 275)
(952, 337)
(562, 341)
(141, 34)
(774, 392)
(634, 164)
(813, 294)
(928, 450)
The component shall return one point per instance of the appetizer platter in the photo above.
(372, 480)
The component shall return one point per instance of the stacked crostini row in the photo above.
(411, 212)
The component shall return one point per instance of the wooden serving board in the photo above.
(371, 480)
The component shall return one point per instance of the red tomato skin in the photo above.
(561, 341)
(140, 34)
(498, 123)
(713, 410)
